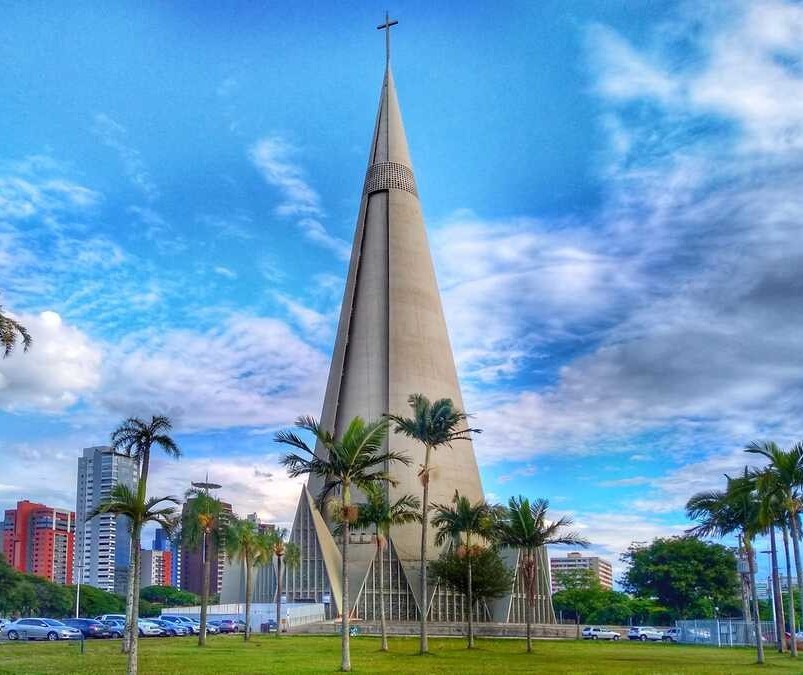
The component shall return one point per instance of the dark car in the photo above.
(89, 627)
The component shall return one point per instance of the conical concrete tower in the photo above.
(391, 342)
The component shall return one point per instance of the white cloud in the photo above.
(115, 136)
(245, 372)
(62, 365)
(22, 198)
(225, 272)
(273, 155)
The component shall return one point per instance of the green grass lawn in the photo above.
(321, 654)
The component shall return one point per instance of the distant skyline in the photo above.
(611, 190)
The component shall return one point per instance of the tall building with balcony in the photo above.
(103, 543)
(161, 542)
(155, 568)
(577, 561)
(40, 540)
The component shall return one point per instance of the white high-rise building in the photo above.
(103, 543)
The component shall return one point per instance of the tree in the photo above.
(490, 576)
(167, 596)
(459, 523)
(783, 479)
(135, 438)
(203, 522)
(721, 513)
(12, 330)
(288, 553)
(580, 595)
(525, 526)
(95, 601)
(355, 460)
(253, 549)
(379, 513)
(676, 571)
(123, 501)
(434, 425)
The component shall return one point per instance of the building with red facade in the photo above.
(40, 540)
(156, 568)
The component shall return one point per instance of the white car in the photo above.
(148, 628)
(645, 633)
(597, 633)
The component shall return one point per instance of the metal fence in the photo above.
(723, 632)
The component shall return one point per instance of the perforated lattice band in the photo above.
(389, 176)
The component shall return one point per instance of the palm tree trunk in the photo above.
(132, 651)
(249, 591)
(278, 595)
(795, 532)
(754, 591)
(790, 588)
(743, 585)
(345, 656)
(470, 605)
(131, 591)
(528, 609)
(382, 623)
(776, 592)
(424, 647)
(204, 593)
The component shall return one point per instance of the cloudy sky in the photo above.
(612, 191)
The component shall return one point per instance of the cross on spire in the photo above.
(386, 27)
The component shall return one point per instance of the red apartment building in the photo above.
(40, 540)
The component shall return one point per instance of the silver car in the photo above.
(40, 629)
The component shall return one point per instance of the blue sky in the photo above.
(612, 196)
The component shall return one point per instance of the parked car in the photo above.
(181, 620)
(671, 635)
(229, 626)
(41, 629)
(597, 633)
(270, 626)
(89, 627)
(116, 627)
(645, 633)
(148, 628)
(170, 628)
(103, 618)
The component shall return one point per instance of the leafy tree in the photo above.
(580, 596)
(490, 576)
(95, 601)
(286, 553)
(379, 513)
(203, 521)
(24, 598)
(135, 438)
(123, 501)
(253, 549)
(459, 523)
(10, 331)
(677, 571)
(525, 526)
(168, 596)
(434, 425)
(355, 460)
(52, 599)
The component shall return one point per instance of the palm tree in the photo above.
(355, 460)
(787, 469)
(721, 513)
(458, 523)
(123, 501)
(379, 513)
(287, 552)
(203, 522)
(525, 526)
(252, 548)
(772, 513)
(433, 424)
(135, 438)
(10, 331)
